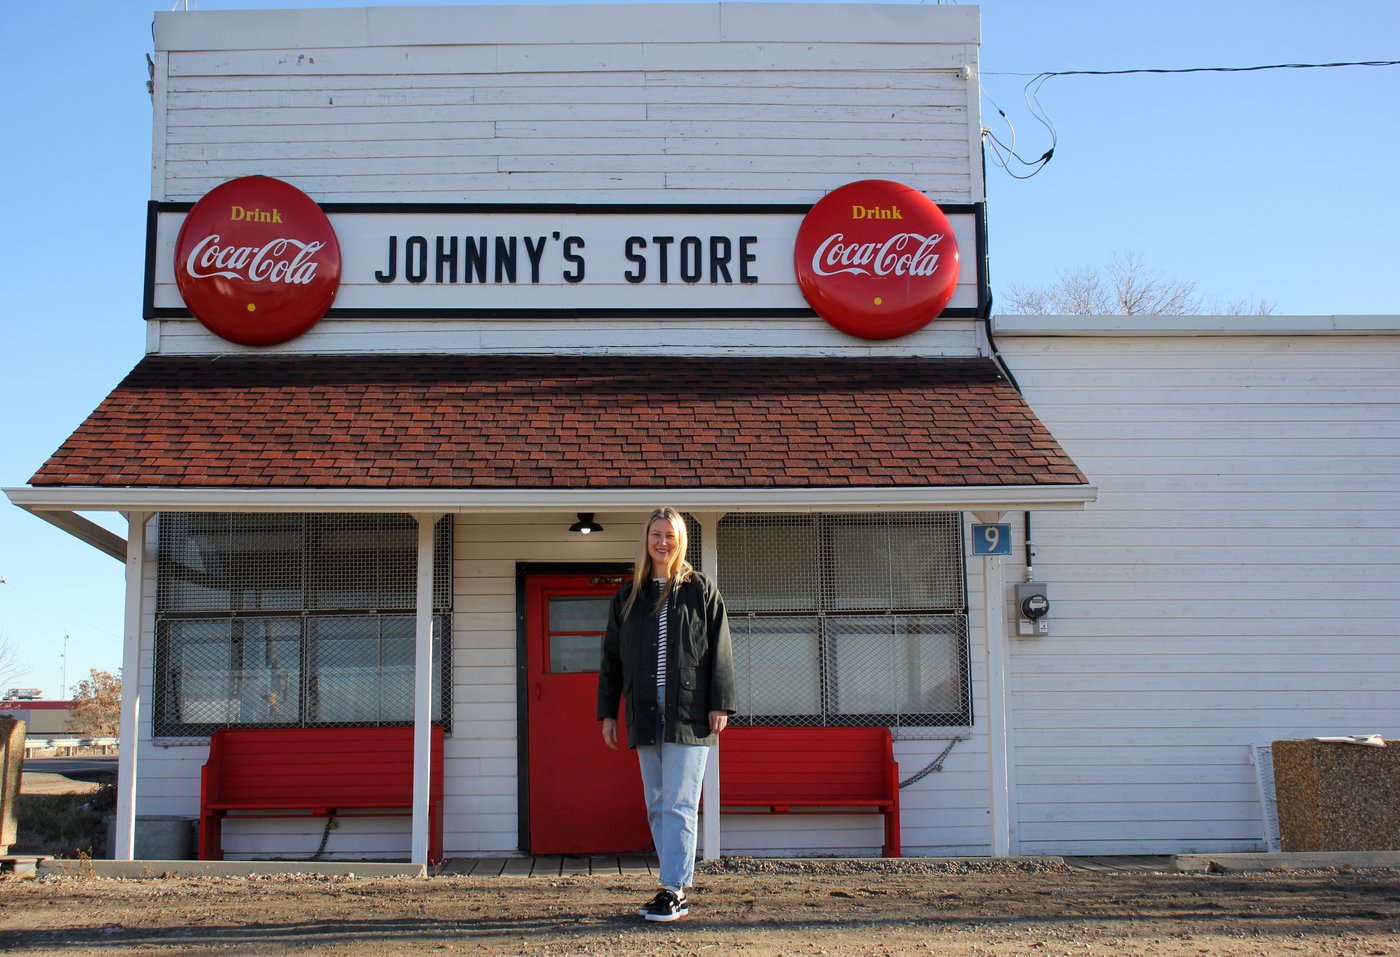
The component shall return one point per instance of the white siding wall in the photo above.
(663, 103)
(666, 103)
(1237, 581)
(945, 813)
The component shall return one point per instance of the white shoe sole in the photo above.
(668, 917)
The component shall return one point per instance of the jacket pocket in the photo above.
(693, 701)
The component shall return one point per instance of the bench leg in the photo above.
(435, 834)
(211, 838)
(891, 848)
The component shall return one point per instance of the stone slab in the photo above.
(137, 869)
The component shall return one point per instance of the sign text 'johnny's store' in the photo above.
(510, 259)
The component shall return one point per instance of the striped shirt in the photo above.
(661, 645)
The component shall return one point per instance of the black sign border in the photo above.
(154, 208)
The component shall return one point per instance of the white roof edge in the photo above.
(85, 530)
(564, 23)
(1014, 326)
(154, 499)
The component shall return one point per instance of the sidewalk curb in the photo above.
(138, 869)
(1285, 861)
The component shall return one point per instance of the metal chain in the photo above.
(935, 765)
(325, 836)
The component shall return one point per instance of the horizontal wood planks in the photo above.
(1235, 582)
(634, 105)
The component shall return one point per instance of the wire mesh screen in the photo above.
(693, 549)
(233, 562)
(847, 619)
(293, 620)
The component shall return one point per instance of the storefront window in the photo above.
(293, 620)
(847, 619)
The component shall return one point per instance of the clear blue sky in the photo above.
(1275, 184)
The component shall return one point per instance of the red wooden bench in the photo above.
(820, 770)
(259, 772)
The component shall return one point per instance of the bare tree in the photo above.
(1124, 287)
(11, 667)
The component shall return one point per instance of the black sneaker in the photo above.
(655, 901)
(666, 905)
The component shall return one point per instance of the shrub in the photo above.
(65, 825)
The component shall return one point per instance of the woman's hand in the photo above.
(719, 720)
(610, 731)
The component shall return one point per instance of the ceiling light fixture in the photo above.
(585, 524)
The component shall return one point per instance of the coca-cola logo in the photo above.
(876, 259)
(257, 261)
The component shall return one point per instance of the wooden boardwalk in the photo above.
(595, 866)
(1120, 863)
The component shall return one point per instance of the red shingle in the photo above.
(560, 422)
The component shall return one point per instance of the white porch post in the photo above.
(423, 690)
(125, 849)
(998, 733)
(709, 787)
(998, 736)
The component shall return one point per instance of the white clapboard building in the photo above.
(432, 291)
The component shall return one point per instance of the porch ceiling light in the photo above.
(585, 524)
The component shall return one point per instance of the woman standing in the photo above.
(667, 652)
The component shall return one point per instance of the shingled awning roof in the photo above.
(560, 422)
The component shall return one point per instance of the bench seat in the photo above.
(783, 770)
(319, 772)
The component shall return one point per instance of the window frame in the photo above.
(166, 725)
(827, 610)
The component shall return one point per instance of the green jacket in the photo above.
(699, 665)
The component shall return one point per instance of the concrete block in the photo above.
(1337, 797)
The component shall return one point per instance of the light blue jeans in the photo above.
(671, 778)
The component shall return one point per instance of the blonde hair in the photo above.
(680, 571)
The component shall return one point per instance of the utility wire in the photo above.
(1004, 153)
(1203, 69)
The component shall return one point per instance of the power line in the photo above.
(28, 598)
(1202, 69)
(1005, 153)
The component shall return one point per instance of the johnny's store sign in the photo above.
(258, 262)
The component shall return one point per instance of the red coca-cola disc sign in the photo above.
(257, 261)
(876, 259)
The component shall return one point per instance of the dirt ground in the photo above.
(755, 908)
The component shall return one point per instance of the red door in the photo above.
(583, 797)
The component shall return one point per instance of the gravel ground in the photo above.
(739, 906)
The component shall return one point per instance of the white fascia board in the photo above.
(850, 22)
(205, 30)
(565, 23)
(1191, 326)
(961, 498)
(607, 23)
